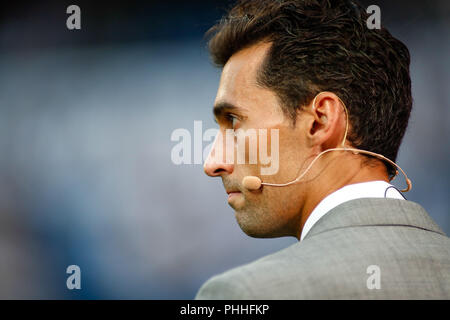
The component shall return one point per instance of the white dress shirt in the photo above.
(371, 189)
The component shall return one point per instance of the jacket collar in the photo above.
(375, 211)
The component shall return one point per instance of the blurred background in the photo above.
(86, 117)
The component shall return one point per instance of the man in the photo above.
(312, 70)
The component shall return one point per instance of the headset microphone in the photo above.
(254, 183)
(251, 183)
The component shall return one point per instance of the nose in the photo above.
(215, 169)
(216, 164)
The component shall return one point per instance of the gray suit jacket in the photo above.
(361, 249)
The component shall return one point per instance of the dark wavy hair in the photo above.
(325, 45)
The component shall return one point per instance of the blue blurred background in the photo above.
(86, 175)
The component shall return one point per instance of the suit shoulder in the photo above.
(239, 282)
(224, 286)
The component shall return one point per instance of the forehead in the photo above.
(241, 69)
(238, 84)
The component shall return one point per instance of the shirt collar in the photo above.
(371, 189)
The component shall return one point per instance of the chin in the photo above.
(255, 227)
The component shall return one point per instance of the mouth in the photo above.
(233, 194)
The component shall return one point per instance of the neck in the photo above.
(335, 175)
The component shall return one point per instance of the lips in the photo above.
(232, 195)
(235, 196)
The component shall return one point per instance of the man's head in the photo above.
(276, 57)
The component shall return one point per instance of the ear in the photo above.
(326, 125)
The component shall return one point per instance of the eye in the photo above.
(233, 120)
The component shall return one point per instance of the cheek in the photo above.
(292, 158)
(246, 154)
(286, 156)
(283, 204)
(279, 159)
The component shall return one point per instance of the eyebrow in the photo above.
(221, 108)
